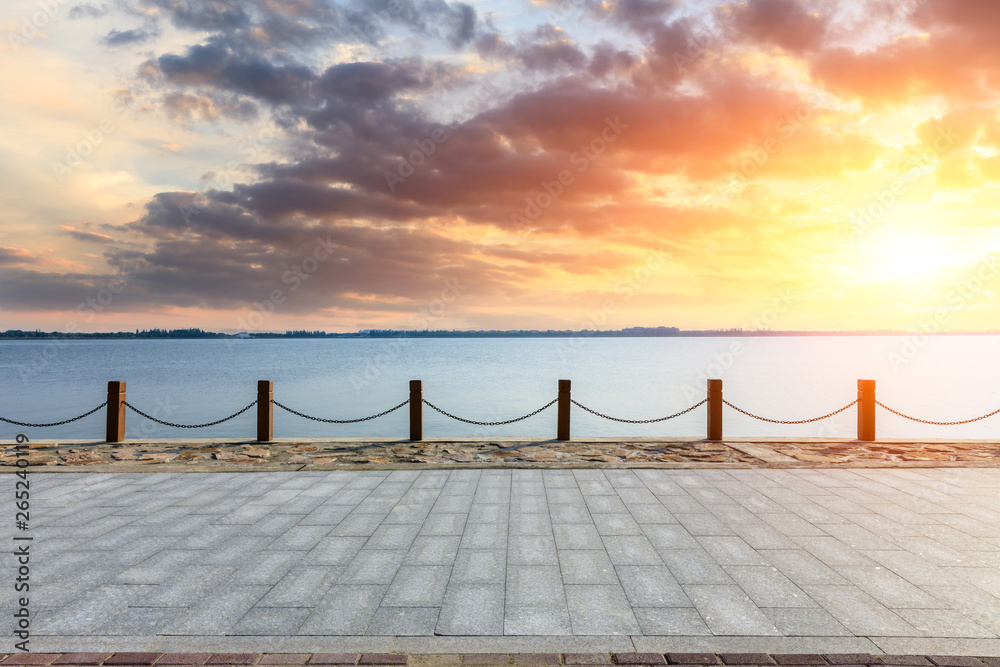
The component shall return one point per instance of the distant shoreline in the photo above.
(636, 332)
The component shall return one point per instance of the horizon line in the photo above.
(636, 332)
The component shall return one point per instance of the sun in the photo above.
(906, 257)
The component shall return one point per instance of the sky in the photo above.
(266, 165)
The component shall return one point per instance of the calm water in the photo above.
(192, 381)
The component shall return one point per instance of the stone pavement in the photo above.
(632, 659)
(752, 560)
(215, 455)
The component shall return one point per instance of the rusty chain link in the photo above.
(509, 421)
(926, 421)
(638, 421)
(795, 421)
(160, 421)
(500, 423)
(340, 421)
(65, 421)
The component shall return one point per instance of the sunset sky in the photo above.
(343, 165)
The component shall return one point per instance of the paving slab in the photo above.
(719, 560)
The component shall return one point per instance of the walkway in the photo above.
(896, 561)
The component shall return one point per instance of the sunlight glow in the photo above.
(902, 257)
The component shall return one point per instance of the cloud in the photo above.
(956, 130)
(785, 23)
(591, 147)
(183, 107)
(313, 23)
(127, 37)
(550, 49)
(215, 66)
(608, 60)
(965, 141)
(640, 16)
(88, 12)
(204, 15)
(222, 249)
(16, 256)
(547, 48)
(817, 152)
(86, 236)
(949, 49)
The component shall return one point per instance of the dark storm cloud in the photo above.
(204, 15)
(306, 23)
(277, 199)
(549, 49)
(674, 49)
(786, 23)
(126, 37)
(485, 166)
(607, 60)
(546, 49)
(463, 28)
(325, 267)
(366, 83)
(455, 22)
(640, 16)
(16, 256)
(30, 290)
(214, 65)
(223, 258)
(601, 113)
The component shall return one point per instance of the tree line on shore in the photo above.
(661, 331)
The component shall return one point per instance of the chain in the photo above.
(65, 421)
(160, 421)
(509, 421)
(640, 421)
(341, 421)
(925, 421)
(798, 421)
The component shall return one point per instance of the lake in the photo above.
(942, 378)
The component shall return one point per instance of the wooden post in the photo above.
(866, 410)
(265, 411)
(416, 410)
(116, 411)
(714, 410)
(562, 428)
